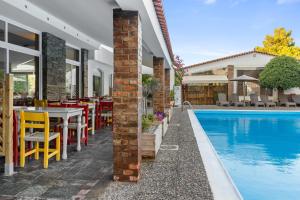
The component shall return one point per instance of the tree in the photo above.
(281, 44)
(179, 70)
(150, 85)
(282, 73)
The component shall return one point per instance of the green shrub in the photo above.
(147, 121)
(172, 95)
(282, 73)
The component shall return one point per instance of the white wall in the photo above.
(253, 60)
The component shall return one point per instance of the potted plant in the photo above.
(150, 84)
(162, 117)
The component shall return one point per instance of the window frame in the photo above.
(12, 47)
(77, 64)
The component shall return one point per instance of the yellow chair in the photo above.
(39, 121)
(40, 103)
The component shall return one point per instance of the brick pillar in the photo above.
(127, 95)
(159, 95)
(54, 67)
(84, 74)
(230, 75)
(167, 88)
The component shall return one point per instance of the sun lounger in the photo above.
(222, 100)
(283, 101)
(296, 99)
(254, 101)
(267, 102)
(235, 101)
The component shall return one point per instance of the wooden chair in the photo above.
(40, 103)
(84, 123)
(73, 124)
(39, 121)
(106, 113)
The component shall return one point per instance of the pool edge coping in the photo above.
(218, 177)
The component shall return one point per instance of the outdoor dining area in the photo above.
(47, 128)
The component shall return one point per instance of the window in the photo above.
(97, 85)
(2, 30)
(24, 68)
(22, 37)
(72, 54)
(72, 72)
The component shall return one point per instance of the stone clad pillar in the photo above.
(84, 72)
(159, 95)
(127, 95)
(167, 88)
(230, 75)
(54, 67)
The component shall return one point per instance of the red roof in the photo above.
(228, 57)
(158, 4)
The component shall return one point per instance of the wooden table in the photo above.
(65, 114)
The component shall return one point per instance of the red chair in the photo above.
(73, 124)
(106, 113)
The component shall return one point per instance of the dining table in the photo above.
(63, 113)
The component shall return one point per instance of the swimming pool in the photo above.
(259, 149)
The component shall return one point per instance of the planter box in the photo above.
(151, 142)
(170, 113)
(165, 125)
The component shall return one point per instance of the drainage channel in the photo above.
(169, 147)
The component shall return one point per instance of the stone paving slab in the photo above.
(87, 171)
(175, 174)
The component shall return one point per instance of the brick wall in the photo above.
(127, 95)
(159, 95)
(167, 88)
(230, 75)
(54, 67)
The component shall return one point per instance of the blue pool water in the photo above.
(260, 150)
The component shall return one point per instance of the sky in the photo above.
(202, 30)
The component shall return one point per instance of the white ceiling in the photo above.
(93, 18)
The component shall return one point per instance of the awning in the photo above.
(205, 79)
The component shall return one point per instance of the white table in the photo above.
(65, 114)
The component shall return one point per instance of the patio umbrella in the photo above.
(244, 79)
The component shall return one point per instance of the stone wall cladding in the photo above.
(230, 75)
(54, 67)
(159, 95)
(84, 67)
(127, 95)
(167, 88)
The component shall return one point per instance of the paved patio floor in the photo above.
(175, 174)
